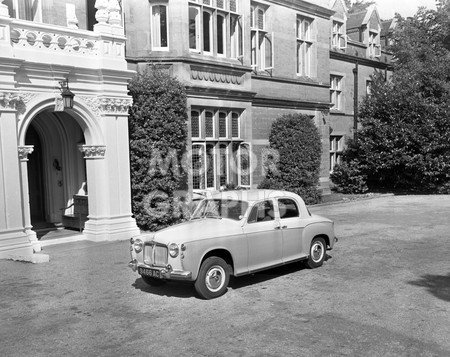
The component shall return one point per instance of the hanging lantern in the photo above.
(66, 94)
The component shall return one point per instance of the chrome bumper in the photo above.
(165, 273)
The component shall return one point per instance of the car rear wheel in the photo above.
(317, 253)
(213, 278)
(152, 281)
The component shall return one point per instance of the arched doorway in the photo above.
(56, 169)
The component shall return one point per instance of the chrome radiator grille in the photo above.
(155, 254)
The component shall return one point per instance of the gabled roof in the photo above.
(338, 6)
(334, 3)
(361, 18)
(387, 26)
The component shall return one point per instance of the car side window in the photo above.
(262, 212)
(288, 208)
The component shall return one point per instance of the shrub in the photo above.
(348, 178)
(157, 130)
(296, 140)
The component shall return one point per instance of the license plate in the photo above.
(149, 272)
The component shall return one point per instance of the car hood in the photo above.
(197, 229)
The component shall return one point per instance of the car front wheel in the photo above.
(213, 278)
(317, 253)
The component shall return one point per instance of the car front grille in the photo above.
(155, 254)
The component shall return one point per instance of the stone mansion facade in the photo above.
(244, 63)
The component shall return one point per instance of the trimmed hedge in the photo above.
(296, 165)
(158, 139)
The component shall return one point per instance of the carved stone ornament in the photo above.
(9, 100)
(215, 77)
(93, 151)
(115, 18)
(26, 97)
(107, 105)
(101, 15)
(15, 100)
(115, 105)
(93, 103)
(24, 151)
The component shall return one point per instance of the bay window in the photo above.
(215, 28)
(236, 37)
(219, 155)
(262, 55)
(207, 31)
(194, 28)
(304, 45)
(159, 28)
(221, 34)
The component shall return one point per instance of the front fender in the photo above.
(196, 252)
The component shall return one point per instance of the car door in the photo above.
(264, 236)
(291, 227)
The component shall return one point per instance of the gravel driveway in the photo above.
(384, 291)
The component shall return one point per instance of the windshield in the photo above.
(217, 208)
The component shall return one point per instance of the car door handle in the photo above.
(277, 227)
(284, 227)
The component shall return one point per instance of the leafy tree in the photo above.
(157, 129)
(403, 140)
(358, 5)
(296, 141)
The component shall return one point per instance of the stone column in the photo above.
(24, 151)
(109, 202)
(14, 241)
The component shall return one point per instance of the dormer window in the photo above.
(374, 46)
(338, 39)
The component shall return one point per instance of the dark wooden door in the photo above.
(35, 178)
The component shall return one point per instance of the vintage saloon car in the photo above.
(233, 233)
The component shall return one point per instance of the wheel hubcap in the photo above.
(317, 252)
(215, 278)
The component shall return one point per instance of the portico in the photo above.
(49, 154)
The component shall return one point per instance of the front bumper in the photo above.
(164, 272)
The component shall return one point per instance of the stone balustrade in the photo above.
(38, 36)
(61, 45)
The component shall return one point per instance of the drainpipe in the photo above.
(355, 101)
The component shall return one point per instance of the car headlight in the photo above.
(173, 250)
(137, 245)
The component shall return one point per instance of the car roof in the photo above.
(252, 195)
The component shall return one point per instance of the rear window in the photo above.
(288, 208)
